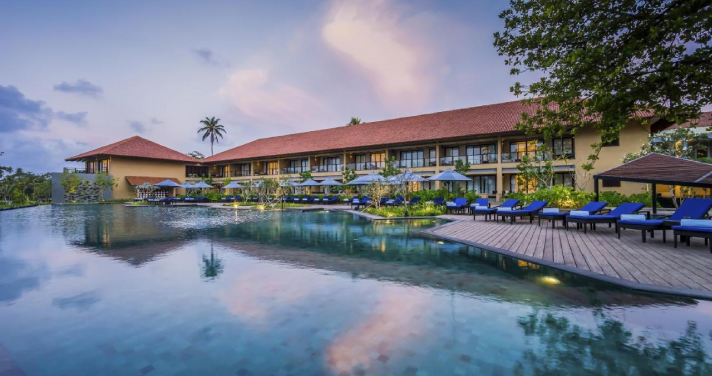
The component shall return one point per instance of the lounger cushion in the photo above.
(594, 217)
(550, 210)
(633, 217)
(506, 209)
(580, 213)
(643, 222)
(692, 228)
(696, 223)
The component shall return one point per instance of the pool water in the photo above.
(110, 290)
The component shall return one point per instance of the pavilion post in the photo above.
(655, 198)
(595, 186)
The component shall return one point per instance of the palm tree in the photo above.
(354, 121)
(211, 129)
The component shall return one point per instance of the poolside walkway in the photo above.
(653, 264)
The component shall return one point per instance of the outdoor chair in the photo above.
(237, 198)
(529, 211)
(364, 201)
(553, 214)
(167, 200)
(414, 201)
(693, 228)
(583, 218)
(458, 204)
(332, 200)
(384, 201)
(227, 198)
(296, 199)
(439, 201)
(692, 208)
(510, 204)
(395, 202)
(480, 202)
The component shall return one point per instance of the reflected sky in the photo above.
(104, 288)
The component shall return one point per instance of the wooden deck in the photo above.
(653, 263)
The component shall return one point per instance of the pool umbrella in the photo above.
(232, 185)
(202, 184)
(309, 183)
(409, 177)
(168, 183)
(367, 179)
(187, 185)
(330, 183)
(448, 176)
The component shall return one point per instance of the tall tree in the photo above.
(354, 121)
(603, 61)
(213, 129)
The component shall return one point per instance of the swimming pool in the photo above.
(105, 289)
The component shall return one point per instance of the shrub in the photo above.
(213, 196)
(558, 196)
(613, 198)
(430, 195)
(419, 210)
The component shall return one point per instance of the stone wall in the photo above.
(86, 192)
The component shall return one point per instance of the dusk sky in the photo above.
(76, 75)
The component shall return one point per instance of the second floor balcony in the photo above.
(517, 156)
(294, 170)
(415, 163)
(471, 159)
(328, 168)
(365, 166)
(240, 173)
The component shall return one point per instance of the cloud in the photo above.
(207, 56)
(82, 87)
(390, 45)
(137, 126)
(19, 113)
(254, 94)
(79, 118)
(156, 121)
(80, 302)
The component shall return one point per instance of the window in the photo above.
(272, 168)
(103, 166)
(410, 159)
(610, 184)
(330, 164)
(563, 147)
(244, 170)
(484, 184)
(479, 154)
(196, 171)
(615, 142)
(566, 179)
(519, 149)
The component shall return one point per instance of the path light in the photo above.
(550, 280)
(441, 242)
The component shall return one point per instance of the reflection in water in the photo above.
(212, 265)
(565, 348)
(312, 294)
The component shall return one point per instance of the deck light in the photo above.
(550, 280)
(441, 242)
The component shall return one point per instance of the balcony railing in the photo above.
(364, 166)
(471, 159)
(218, 175)
(328, 168)
(77, 170)
(267, 172)
(415, 163)
(519, 155)
(240, 173)
(294, 170)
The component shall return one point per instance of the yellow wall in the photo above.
(632, 138)
(121, 167)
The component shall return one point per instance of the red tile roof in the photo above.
(454, 124)
(704, 121)
(138, 180)
(137, 147)
(662, 169)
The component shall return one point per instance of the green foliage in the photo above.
(558, 196)
(418, 210)
(354, 121)
(196, 155)
(681, 142)
(462, 167)
(305, 175)
(213, 129)
(70, 181)
(213, 196)
(389, 168)
(606, 60)
(226, 181)
(614, 198)
(104, 181)
(349, 175)
(430, 195)
(537, 170)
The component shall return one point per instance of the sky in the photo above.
(76, 75)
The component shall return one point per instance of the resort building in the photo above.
(485, 137)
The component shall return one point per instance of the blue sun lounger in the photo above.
(510, 204)
(691, 208)
(528, 211)
(694, 228)
(553, 214)
(610, 218)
